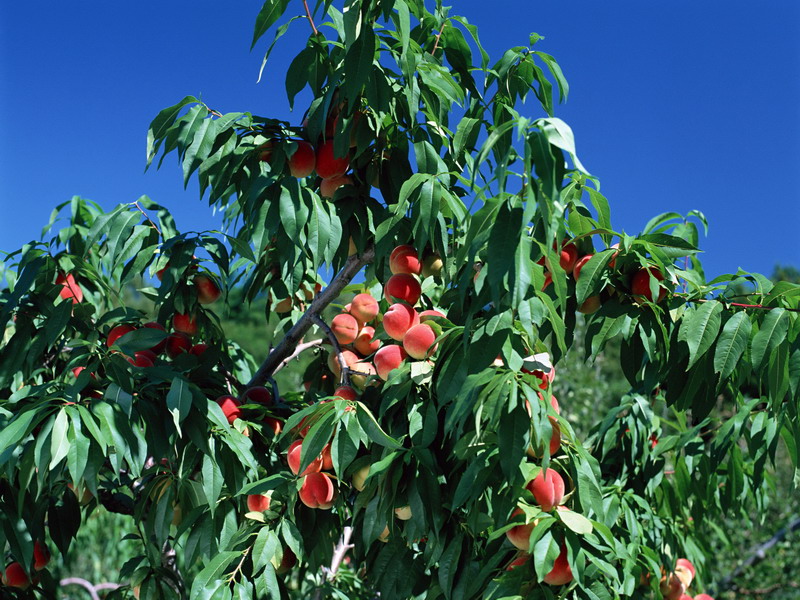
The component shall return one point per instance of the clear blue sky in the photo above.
(675, 106)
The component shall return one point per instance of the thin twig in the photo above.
(87, 585)
(740, 305)
(438, 36)
(310, 20)
(298, 351)
(344, 373)
(289, 342)
(146, 216)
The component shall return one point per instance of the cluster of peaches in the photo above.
(572, 263)
(674, 586)
(320, 158)
(15, 574)
(410, 333)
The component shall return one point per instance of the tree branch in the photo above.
(344, 369)
(290, 341)
(310, 20)
(759, 554)
(87, 585)
(340, 551)
(298, 351)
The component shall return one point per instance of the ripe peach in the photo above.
(428, 314)
(176, 343)
(703, 597)
(198, 350)
(671, 587)
(284, 306)
(141, 360)
(41, 555)
(350, 359)
(207, 289)
(359, 478)
(547, 489)
(403, 513)
(590, 306)
(561, 572)
(327, 460)
(258, 502)
(293, 458)
(159, 347)
(15, 576)
(536, 451)
(328, 164)
(230, 407)
(398, 319)
(520, 560)
(366, 343)
(685, 597)
(361, 372)
(309, 293)
(265, 151)
(404, 259)
(640, 284)
(302, 161)
(184, 323)
(402, 288)
(432, 265)
(364, 308)
(569, 254)
(317, 491)
(576, 270)
(685, 571)
(345, 328)
(418, 341)
(70, 288)
(288, 560)
(384, 536)
(520, 535)
(346, 393)
(274, 425)
(328, 187)
(258, 394)
(388, 358)
(117, 332)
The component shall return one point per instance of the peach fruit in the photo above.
(345, 328)
(404, 259)
(184, 323)
(346, 393)
(317, 491)
(685, 571)
(258, 502)
(293, 458)
(388, 358)
(418, 341)
(176, 343)
(364, 308)
(117, 332)
(302, 161)
(547, 489)
(671, 587)
(365, 342)
(520, 534)
(398, 319)
(359, 478)
(41, 555)
(402, 288)
(15, 576)
(70, 288)
(159, 347)
(640, 284)
(258, 394)
(328, 187)
(432, 266)
(230, 407)
(328, 164)
(561, 572)
(207, 289)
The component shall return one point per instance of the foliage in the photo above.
(410, 96)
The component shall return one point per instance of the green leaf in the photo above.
(264, 548)
(590, 275)
(163, 121)
(212, 572)
(212, 480)
(732, 343)
(699, 328)
(373, 430)
(59, 444)
(772, 332)
(575, 521)
(179, 400)
(270, 12)
(12, 433)
(358, 64)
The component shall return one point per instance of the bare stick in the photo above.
(310, 20)
(298, 351)
(87, 585)
(289, 342)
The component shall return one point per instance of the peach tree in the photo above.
(426, 457)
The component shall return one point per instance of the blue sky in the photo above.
(675, 106)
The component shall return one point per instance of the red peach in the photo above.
(404, 259)
(184, 323)
(117, 332)
(640, 284)
(302, 161)
(418, 341)
(15, 576)
(327, 460)
(703, 597)
(328, 164)
(293, 458)
(350, 358)
(398, 319)
(561, 572)
(328, 187)
(671, 587)
(520, 560)
(207, 289)
(198, 350)
(576, 270)
(258, 394)
(429, 314)
(685, 571)
(555, 441)
(547, 489)
(140, 360)
(590, 306)
(362, 372)
(366, 343)
(402, 288)
(70, 289)
(41, 555)
(345, 328)
(569, 254)
(177, 343)
(388, 358)
(346, 393)
(521, 534)
(317, 491)
(230, 407)
(288, 560)
(364, 308)
(274, 425)
(258, 502)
